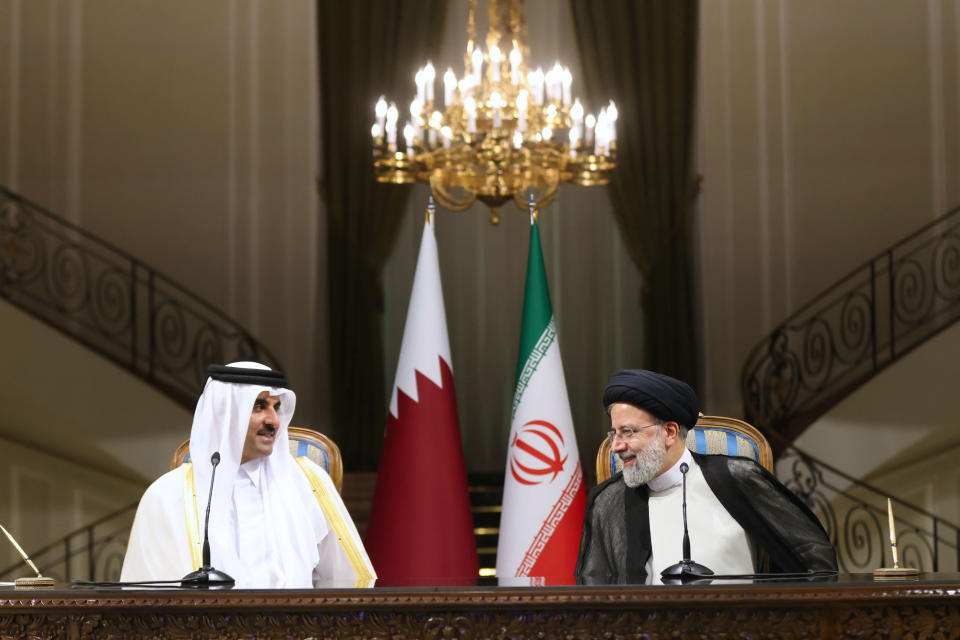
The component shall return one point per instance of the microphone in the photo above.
(206, 576)
(686, 570)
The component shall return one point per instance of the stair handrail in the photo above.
(114, 303)
(806, 481)
(93, 545)
(854, 329)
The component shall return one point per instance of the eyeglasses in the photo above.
(627, 434)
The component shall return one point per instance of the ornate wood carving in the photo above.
(930, 609)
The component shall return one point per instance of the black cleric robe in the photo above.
(615, 545)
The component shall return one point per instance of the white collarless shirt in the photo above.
(716, 539)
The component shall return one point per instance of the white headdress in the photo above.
(295, 524)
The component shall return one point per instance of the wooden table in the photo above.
(848, 607)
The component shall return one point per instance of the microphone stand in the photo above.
(206, 576)
(686, 570)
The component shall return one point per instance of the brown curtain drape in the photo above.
(642, 54)
(366, 48)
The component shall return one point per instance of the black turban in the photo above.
(664, 397)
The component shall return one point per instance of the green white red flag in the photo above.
(543, 493)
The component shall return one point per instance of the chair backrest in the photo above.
(712, 435)
(308, 443)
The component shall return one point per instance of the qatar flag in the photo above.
(421, 528)
(543, 493)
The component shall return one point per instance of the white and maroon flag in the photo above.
(543, 493)
(421, 528)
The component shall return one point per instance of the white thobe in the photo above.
(717, 541)
(160, 549)
(247, 517)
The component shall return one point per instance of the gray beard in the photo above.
(648, 465)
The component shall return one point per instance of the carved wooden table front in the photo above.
(851, 607)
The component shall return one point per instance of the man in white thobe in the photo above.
(275, 521)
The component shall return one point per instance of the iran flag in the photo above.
(543, 493)
(421, 529)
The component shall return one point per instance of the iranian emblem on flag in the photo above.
(543, 493)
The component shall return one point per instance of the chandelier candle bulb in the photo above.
(408, 134)
(517, 139)
(470, 106)
(446, 133)
(392, 115)
(535, 80)
(418, 80)
(576, 113)
(464, 86)
(567, 82)
(477, 60)
(376, 132)
(449, 86)
(598, 133)
(497, 103)
(556, 84)
(429, 74)
(381, 112)
(515, 58)
(590, 122)
(495, 63)
(415, 108)
(549, 79)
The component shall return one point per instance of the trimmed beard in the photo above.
(649, 462)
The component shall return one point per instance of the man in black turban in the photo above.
(741, 518)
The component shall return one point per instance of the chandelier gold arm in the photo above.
(544, 190)
(446, 199)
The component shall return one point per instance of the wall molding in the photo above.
(938, 151)
(74, 209)
(13, 176)
(763, 164)
(232, 162)
(253, 315)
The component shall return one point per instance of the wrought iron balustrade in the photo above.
(113, 303)
(854, 514)
(93, 552)
(856, 328)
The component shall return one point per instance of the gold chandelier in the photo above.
(504, 132)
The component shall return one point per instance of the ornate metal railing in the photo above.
(93, 552)
(857, 327)
(854, 514)
(113, 303)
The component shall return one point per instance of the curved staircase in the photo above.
(861, 325)
(113, 303)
